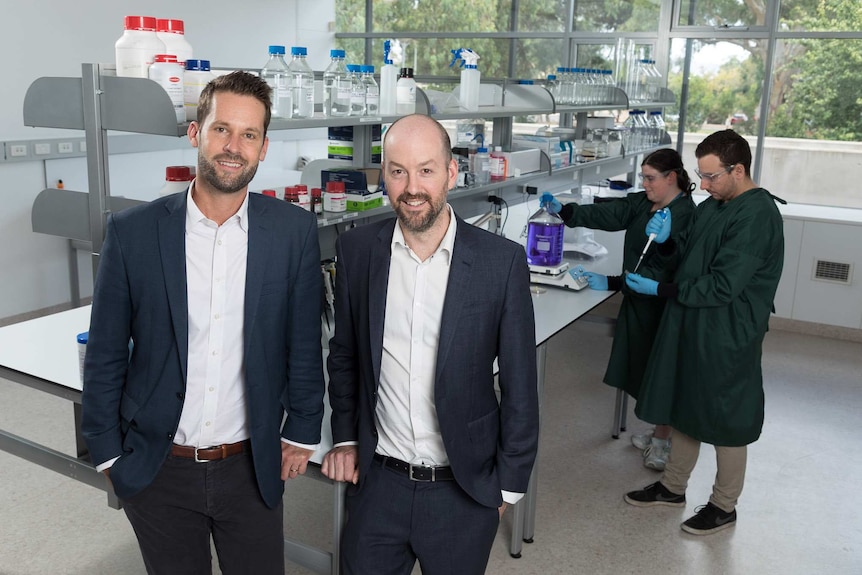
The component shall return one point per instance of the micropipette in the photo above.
(663, 213)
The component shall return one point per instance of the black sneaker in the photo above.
(655, 494)
(709, 519)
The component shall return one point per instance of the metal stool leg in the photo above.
(619, 422)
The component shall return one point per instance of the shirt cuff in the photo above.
(107, 465)
(345, 443)
(511, 497)
(312, 447)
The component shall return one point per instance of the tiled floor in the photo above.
(799, 513)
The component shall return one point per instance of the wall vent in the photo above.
(833, 272)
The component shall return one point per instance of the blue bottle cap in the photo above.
(198, 65)
(276, 49)
(83, 337)
(298, 51)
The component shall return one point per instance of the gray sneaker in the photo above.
(655, 456)
(655, 494)
(642, 441)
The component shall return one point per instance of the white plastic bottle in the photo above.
(357, 90)
(388, 81)
(276, 74)
(470, 78)
(137, 47)
(169, 75)
(405, 93)
(172, 33)
(302, 83)
(372, 91)
(335, 70)
(177, 179)
(195, 79)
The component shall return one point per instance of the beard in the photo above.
(419, 222)
(226, 184)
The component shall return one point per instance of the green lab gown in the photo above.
(639, 315)
(704, 376)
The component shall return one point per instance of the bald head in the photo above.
(417, 126)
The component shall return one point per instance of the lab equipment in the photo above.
(172, 33)
(558, 276)
(177, 179)
(470, 77)
(195, 79)
(276, 74)
(482, 166)
(168, 73)
(333, 72)
(137, 47)
(664, 215)
(545, 239)
(82, 339)
(499, 165)
(388, 81)
(372, 91)
(301, 83)
(405, 93)
(357, 90)
(641, 284)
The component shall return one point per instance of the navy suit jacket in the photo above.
(487, 314)
(132, 403)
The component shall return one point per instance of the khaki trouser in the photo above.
(728, 479)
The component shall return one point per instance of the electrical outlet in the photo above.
(18, 150)
(64, 148)
(42, 149)
(82, 147)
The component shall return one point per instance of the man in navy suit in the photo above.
(217, 293)
(424, 305)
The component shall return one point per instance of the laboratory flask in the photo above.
(545, 239)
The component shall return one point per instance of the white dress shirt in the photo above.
(214, 410)
(406, 414)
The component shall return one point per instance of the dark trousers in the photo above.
(393, 521)
(189, 502)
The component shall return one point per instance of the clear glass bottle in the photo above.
(334, 71)
(357, 90)
(372, 91)
(553, 87)
(545, 239)
(341, 93)
(302, 83)
(482, 166)
(276, 74)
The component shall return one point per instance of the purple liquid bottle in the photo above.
(545, 239)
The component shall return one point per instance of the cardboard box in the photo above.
(359, 202)
(340, 146)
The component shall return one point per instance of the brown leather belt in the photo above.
(415, 472)
(213, 453)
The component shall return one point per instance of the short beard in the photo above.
(207, 171)
(418, 223)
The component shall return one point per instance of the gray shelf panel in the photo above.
(54, 103)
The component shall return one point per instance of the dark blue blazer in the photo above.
(487, 314)
(132, 403)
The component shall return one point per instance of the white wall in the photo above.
(53, 38)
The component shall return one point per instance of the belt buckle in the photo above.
(199, 460)
(414, 478)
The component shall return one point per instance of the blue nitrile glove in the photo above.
(597, 281)
(640, 284)
(659, 225)
(550, 203)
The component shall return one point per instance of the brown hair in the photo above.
(668, 160)
(730, 147)
(238, 82)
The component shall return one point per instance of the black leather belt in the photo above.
(415, 472)
(213, 453)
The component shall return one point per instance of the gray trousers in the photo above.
(729, 478)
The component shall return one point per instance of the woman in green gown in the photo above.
(666, 185)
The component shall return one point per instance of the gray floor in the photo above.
(799, 513)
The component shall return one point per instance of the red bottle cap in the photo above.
(178, 174)
(334, 186)
(270, 193)
(145, 23)
(170, 25)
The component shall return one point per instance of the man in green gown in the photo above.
(704, 374)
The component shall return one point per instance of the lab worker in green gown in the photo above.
(704, 374)
(666, 186)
